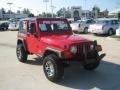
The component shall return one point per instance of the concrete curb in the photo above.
(110, 38)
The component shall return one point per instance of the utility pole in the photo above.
(117, 4)
(85, 10)
(19, 8)
(9, 4)
(52, 8)
(46, 1)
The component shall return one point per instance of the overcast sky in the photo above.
(38, 6)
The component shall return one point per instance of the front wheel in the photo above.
(21, 53)
(91, 66)
(53, 68)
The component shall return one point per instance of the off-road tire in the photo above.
(91, 66)
(21, 53)
(57, 68)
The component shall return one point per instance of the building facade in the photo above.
(76, 12)
(12, 16)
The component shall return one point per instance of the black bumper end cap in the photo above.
(101, 56)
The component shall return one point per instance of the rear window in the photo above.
(52, 26)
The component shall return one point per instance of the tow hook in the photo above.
(101, 56)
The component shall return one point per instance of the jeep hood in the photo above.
(61, 40)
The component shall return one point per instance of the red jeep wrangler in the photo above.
(53, 40)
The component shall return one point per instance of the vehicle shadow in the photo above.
(105, 77)
(3, 30)
(100, 35)
(81, 33)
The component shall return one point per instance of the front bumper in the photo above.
(87, 56)
(98, 59)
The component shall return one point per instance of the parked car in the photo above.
(70, 20)
(81, 25)
(13, 26)
(104, 26)
(53, 40)
(118, 31)
(3, 26)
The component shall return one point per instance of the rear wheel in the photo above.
(110, 32)
(53, 68)
(21, 53)
(76, 32)
(95, 34)
(86, 30)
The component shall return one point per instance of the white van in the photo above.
(13, 26)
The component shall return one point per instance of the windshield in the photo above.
(102, 21)
(79, 21)
(53, 26)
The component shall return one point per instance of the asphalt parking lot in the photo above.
(29, 76)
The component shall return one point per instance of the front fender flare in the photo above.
(58, 52)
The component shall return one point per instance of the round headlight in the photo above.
(73, 49)
(91, 47)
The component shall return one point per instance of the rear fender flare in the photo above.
(21, 41)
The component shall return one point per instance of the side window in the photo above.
(89, 21)
(32, 28)
(22, 26)
(43, 27)
(112, 22)
(116, 21)
(92, 21)
(108, 22)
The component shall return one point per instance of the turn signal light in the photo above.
(98, 48)
(67, 54)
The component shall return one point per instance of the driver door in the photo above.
(32, 39)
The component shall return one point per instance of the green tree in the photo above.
(3, 11)
(31, 15)
(61, 12)
(96, 11)
(96, 8)
(26, 11)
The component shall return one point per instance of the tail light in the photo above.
(78, 25)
